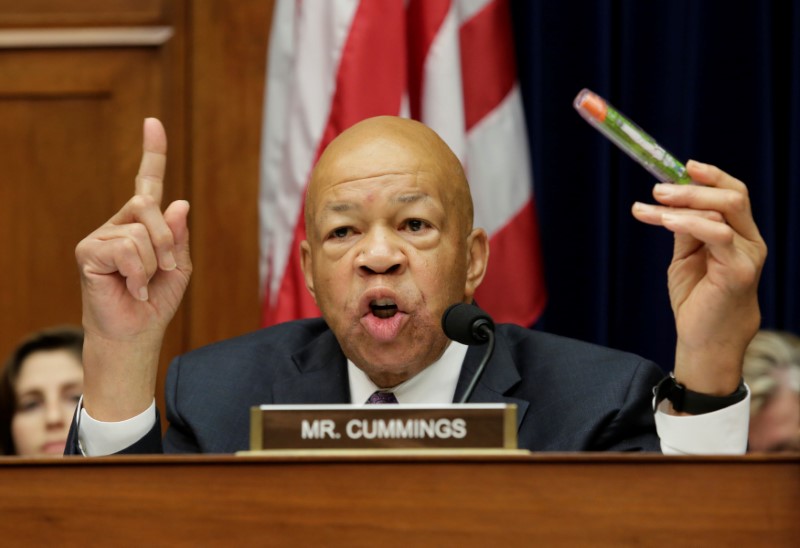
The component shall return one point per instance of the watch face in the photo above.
(672, 390)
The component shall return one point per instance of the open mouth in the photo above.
(383, 308)
(383, 317)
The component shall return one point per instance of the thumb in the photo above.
(176, 216)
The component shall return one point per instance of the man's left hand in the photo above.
(713, 277)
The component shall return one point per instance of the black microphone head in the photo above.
(467, 324)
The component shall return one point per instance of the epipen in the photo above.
(630, 138)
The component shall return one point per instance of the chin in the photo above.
(398, 359)
(53, 450)
(392, 372)
(51, 455)
(388, 378)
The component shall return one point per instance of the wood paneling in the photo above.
(70, 136)
(81, 12)
(537, 500)
(229, 45)
(70, 132)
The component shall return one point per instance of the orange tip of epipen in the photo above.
(594, 105)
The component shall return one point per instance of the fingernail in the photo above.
(639, 206)
(694, 164)
(143, 294)
(168, 261)
(664, 189)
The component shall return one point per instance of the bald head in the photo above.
(387, 145)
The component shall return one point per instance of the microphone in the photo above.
(468, 324)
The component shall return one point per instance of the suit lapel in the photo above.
(320, 377)
(499, 377)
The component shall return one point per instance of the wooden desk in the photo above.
(543, 500)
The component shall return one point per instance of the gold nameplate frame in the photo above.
(416, 427)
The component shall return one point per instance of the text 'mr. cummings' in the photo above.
(415, 429)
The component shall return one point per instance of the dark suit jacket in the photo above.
(570, 395)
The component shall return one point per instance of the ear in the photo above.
(307, 264)
(477, 260)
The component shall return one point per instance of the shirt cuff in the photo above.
(98, 438)
(722, 432)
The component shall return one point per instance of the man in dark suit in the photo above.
(390, 245)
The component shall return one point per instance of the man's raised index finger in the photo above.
(150, 179)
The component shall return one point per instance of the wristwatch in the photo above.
(686, 401)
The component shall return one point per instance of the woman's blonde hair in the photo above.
(772, 359)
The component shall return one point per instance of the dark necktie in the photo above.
(382, 397)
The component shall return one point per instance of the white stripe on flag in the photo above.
(468, 8)
(498, 164)
(301, 80)
(442, 101)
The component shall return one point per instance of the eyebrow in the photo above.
(36, 391)
(340, 207)
(411, 198)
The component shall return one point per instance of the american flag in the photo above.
(447, 63)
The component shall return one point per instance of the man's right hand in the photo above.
(134, 271)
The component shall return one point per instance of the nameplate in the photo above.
(453, 426)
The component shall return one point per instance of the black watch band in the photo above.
(686, 401)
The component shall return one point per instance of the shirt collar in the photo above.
(434, 384)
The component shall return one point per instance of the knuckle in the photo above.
(716, 216)
(748, 275)
(741, 188)
(81, 250)
(737, 202)
(126, 248)
(137, 231)
(85, 271)
(761, 251)
(714, 171)
(162, 239)
(142, 201)
(145, 179)
(727, 235)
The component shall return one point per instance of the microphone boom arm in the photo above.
(481, 366)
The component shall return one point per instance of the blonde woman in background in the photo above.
(772, 370)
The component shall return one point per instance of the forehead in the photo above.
(379, 168)
(396, 189)
(360, 156)
(381, 154)
(47, 368)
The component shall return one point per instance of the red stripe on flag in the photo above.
(293, 300)
(425, 17)
(487, 60)
(370, 81)
(512, 290)
(371, 77)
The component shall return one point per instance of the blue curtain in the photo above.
(718, 81)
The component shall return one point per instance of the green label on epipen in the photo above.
(645, 149)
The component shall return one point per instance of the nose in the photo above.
(381, 253)
(56, 413)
